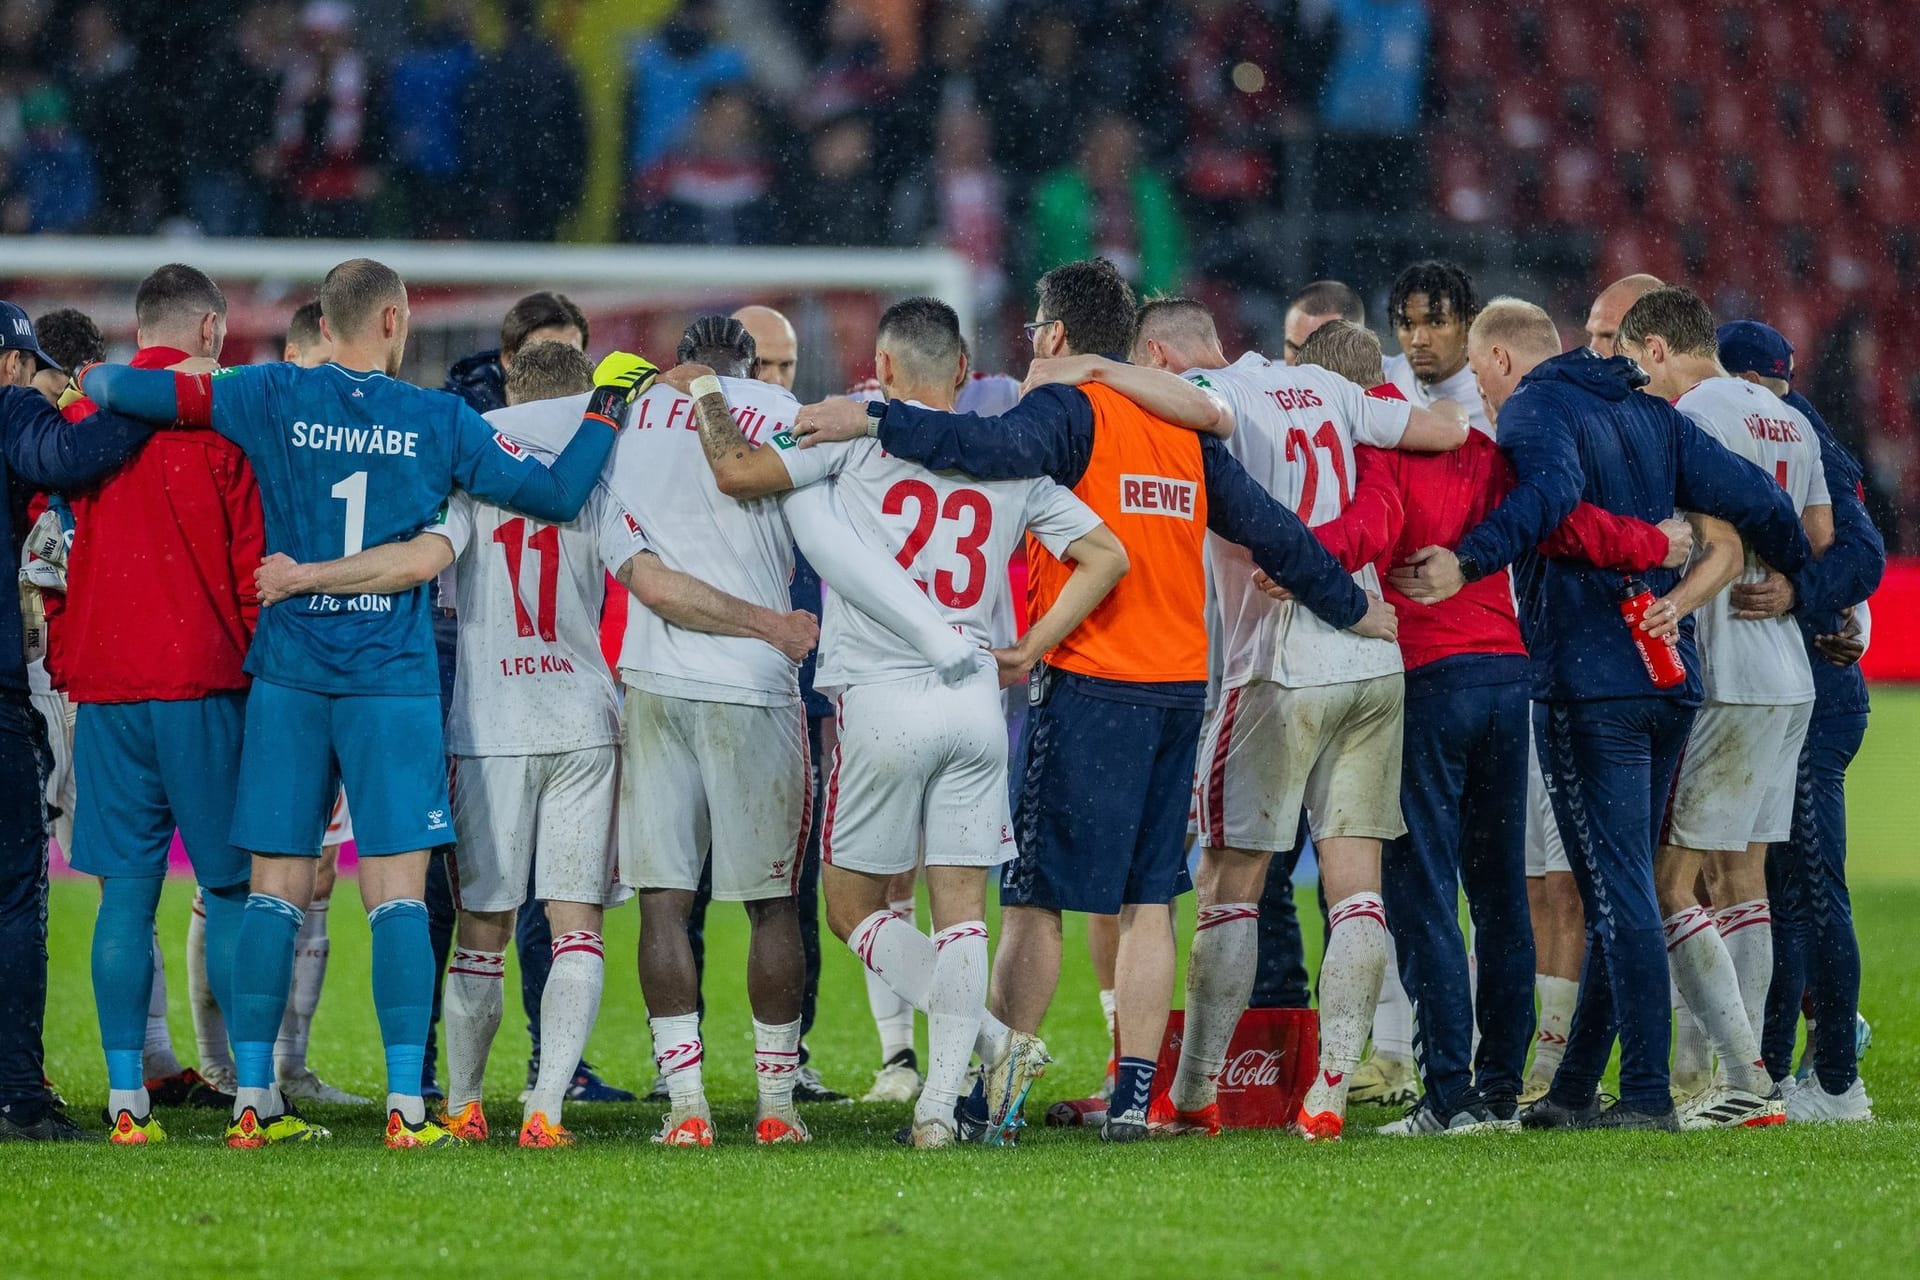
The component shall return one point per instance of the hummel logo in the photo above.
(358, 394)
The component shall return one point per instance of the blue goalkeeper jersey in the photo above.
(350, 460)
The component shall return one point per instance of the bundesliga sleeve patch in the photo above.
(785, 440)
(1199, 380)
(508, 447)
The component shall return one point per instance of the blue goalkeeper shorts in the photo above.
(302, 746)
(143, 770)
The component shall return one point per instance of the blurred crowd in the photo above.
(1190, 141)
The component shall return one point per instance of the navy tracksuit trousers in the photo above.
(1609, 766)
(1463, 791)
(1814, 948)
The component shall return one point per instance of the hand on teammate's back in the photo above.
(796, 635)
(1679, 541)
(1845, 647)
(1066, 371)
(1269, 586)
(1430, 575)
(1768, 598)
(681, 377)
(1015, 665)
(831, 420)
(1379, 622)
(618, 380)
(277, 578)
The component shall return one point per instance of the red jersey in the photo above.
(1405, 501)
(161, 603)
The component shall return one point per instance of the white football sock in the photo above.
(1747, 930)
(411, 1106)
(1219, 983)
(156, 1056)
(892, 1013)
(905, 958)
(1110, 1001)
(1393, 1017)
(209, 1028)
(136, 1101)
(1557, 998)
(1692, 1059)
(568, 1005)
(266, 1103)
(1704, 972)
(676, 1055)
(471, 1006)
(954, 1007)
(310, 948)
(1350, 973)
(776, 1061)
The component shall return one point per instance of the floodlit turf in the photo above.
(1710, 1204)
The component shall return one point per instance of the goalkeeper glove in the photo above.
(620, 380)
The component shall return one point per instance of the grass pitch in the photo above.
(854, 1204)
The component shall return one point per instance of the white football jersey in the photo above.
(987, 394)
(660, 472)
(1462, 388)
(1743, 660)
(1295, 436)
(530, 678)
(953, 535)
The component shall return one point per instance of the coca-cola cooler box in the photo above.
(1270, 1065)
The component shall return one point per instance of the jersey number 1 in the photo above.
(970, 503)
(353, 491)
(512, 537)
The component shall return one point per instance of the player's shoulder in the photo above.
(754, 392)
(545, 425)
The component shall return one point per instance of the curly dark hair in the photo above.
(1095, 304)
(1439, 281)
(70, 337)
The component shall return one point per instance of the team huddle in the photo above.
(1571, 632)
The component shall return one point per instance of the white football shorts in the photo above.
(1545, 850)
(340, 825)
(1266, 750)
(918, 760)
(59, 715)
(1737, 776)
(719, 775)
(551, 815)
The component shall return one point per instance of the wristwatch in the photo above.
(876, 410)
(1470, 570)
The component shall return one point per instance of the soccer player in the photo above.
(1574, 428)
(38, 448)
(153, 659)
(1308, 719)
(1815, 953)
(917, 763)
(714, 734)
(1734, 793)
(1116, 706)
(1313, 306)
(1431, 306)
(345, 688)
(481, 379)
(1603, 317)
(1462, 785)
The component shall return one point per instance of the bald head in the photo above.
(1176, 334)
(1313, 306)
(1603, 319)
(1509, 337)
(776, 347)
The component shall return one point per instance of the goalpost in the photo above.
(636, 297)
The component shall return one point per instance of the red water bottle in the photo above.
(1661, 659)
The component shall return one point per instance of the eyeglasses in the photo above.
(1032, 327)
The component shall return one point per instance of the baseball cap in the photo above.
(16, 334)
(1748, 345)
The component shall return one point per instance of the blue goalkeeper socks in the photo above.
(123, 972)
(1132, 1086)
(223, 909)
(402, 988)
(261, 972)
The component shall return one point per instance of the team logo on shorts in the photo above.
(778, 870)
(436, 819)
(508, 447)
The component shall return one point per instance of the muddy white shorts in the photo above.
(918, 760)
(713, 774)
(1266, 750)
(548, 815)
(1737, 776)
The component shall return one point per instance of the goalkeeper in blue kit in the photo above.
(346, 688)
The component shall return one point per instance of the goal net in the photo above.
(636, 298)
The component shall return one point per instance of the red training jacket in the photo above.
(1405, 501)
(161, 603)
